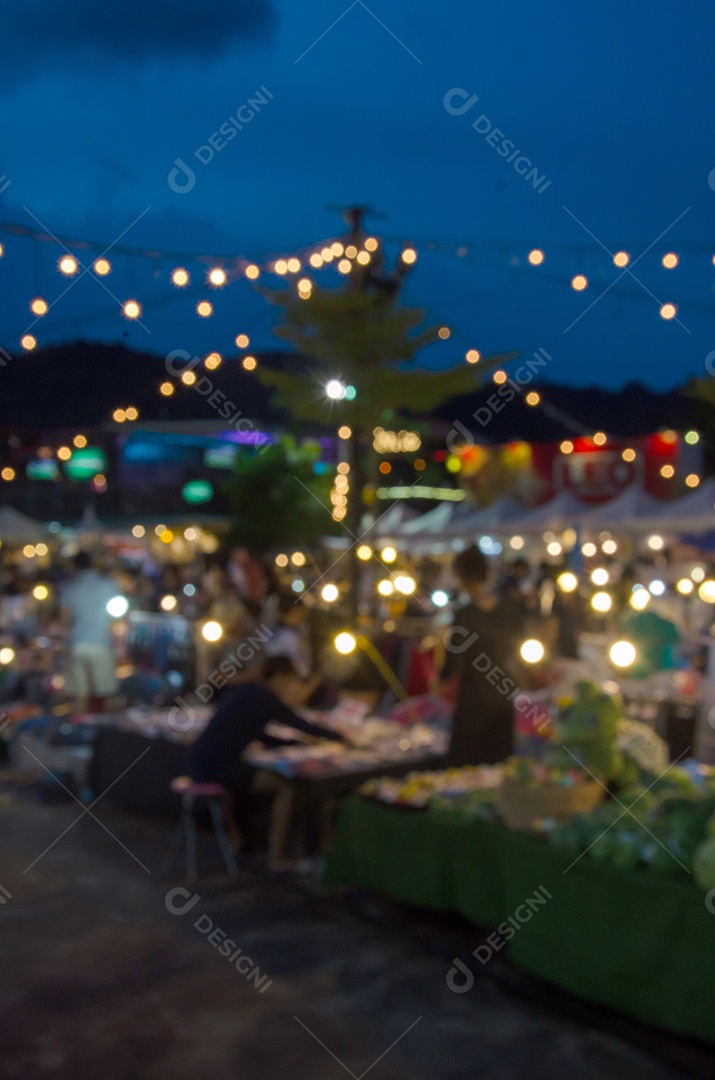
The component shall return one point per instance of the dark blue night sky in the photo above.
(611, 102)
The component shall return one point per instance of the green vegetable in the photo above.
(704, 864)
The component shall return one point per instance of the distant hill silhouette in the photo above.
(80, 385)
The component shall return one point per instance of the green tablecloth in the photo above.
(637, 941)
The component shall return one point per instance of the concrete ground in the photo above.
(101, 980)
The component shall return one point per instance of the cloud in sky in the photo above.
(36, 33)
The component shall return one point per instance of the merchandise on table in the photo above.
(665, 824)
(372, 742)
(536, 795)
(462, 789)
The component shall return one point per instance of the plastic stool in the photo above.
(214, 794)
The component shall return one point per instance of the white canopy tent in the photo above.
(17, 528)
(562, 511)
(486, 519)
(694, 512)
(625, 511)
(390, 523)
(436, 521)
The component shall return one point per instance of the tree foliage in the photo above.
(276, 500)
(365, 339)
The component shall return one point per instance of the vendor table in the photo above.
(637, 941)
(139, 768)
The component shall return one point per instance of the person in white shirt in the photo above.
(90, 675)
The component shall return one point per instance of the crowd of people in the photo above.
(70, 643)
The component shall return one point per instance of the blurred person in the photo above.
(291, 634)
(242, 716)
(481, 646)
(655, 638)
(90, 676)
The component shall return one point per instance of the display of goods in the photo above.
(662, 827)
(586, 733)
(525, 806)
(640, 744)
(455, 789)
(704, 864)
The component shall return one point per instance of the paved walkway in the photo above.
(102, 981)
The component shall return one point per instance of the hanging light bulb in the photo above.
(68, 265)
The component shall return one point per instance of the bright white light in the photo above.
(489, 545)
(609, 547)
(516, 542)
(532, 651)
(706, 592)
(329, 593)
(388, 554)
(567, 582)
(7, 655)
(657, 587)
(601, 602)
(117, 607)
(622, 654)
(554, 548)
(698, 573)
(439, 598)
(588, 549)
(600, 576)
(405, 584)
(685, 586)
(655, 543)
(168, 602)
(212, 631)
(345, 643)
(640, 599)
(335, 390)
(298, 585)
(385, 587)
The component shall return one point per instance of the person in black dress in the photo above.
(481, 646)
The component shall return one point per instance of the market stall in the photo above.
(621, 938)
(138, 752)
(596, 861)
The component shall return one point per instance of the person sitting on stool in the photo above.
(241, 717)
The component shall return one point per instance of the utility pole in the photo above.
(364, 278)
